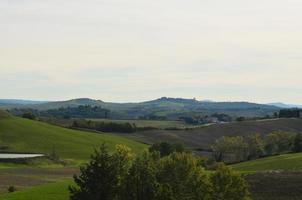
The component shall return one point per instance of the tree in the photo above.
(255, 146)
(101, 179)
(233, 147)
(141, 182)
(166, 148)
(228, 185)
(298, 143)
(181, 177)
(278, 142)
(29, 115)
(178, 176)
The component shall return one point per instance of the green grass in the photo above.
(53, 191)
(286, 162)
(4, 114)
(23, 135)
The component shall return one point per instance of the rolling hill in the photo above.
(285, 162)
(204, 137)
(169, 108)
(22, 135)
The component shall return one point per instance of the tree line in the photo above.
(239, 148)
(151, 176)
(105, 126)
(290, 113)
(81, 111)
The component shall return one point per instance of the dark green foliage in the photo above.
(240, 119)
(101, 179)
(279, 142)
(29, 115)
(11, 189)
(182, 178)
(105, 126)
(297, 147)
(141, 182)
(54, 156)
(178, 176)
(227, 184)
(166, 148)
(86, 111)
(290, 113)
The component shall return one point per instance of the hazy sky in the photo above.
(133, 50)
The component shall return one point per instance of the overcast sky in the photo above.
(134, 50)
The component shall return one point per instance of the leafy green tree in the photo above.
(178, 176)
(29, 115)
(255, 146)
(181, 177)
(141, 182)
(228, 185)
(234, 147)
(278, 142)
(166, 148)
(102, 178)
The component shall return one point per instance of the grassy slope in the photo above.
(288, 162)
(53, 191)
(22, 135)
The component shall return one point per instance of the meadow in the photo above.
(42, 178)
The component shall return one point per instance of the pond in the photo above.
(19, 155)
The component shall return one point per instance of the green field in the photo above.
(23, 135)
(286, 162)
(53, 191)
(41, 178)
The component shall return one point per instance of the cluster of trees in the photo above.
(68, 112)
(105, 126)
(290, 113)
(238, 148)
(204, 119)
(178, 176)
(165, 148)
(29, 115)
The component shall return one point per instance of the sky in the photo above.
(137, 50)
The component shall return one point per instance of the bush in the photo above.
(165, 148)
(11, 189)
(29, 116)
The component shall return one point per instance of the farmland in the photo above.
(203, 137)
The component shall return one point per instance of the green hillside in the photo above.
(287, 162)
(22, 135)
(53, 191)
(4, 114)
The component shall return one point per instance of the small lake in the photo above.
(19, 155)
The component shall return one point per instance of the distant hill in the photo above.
(164, 108)
(11, 103)
(283, 105)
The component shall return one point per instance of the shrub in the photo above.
(11, 189)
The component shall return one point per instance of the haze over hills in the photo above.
(170, 108)
(12, 102)
(283, 105)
